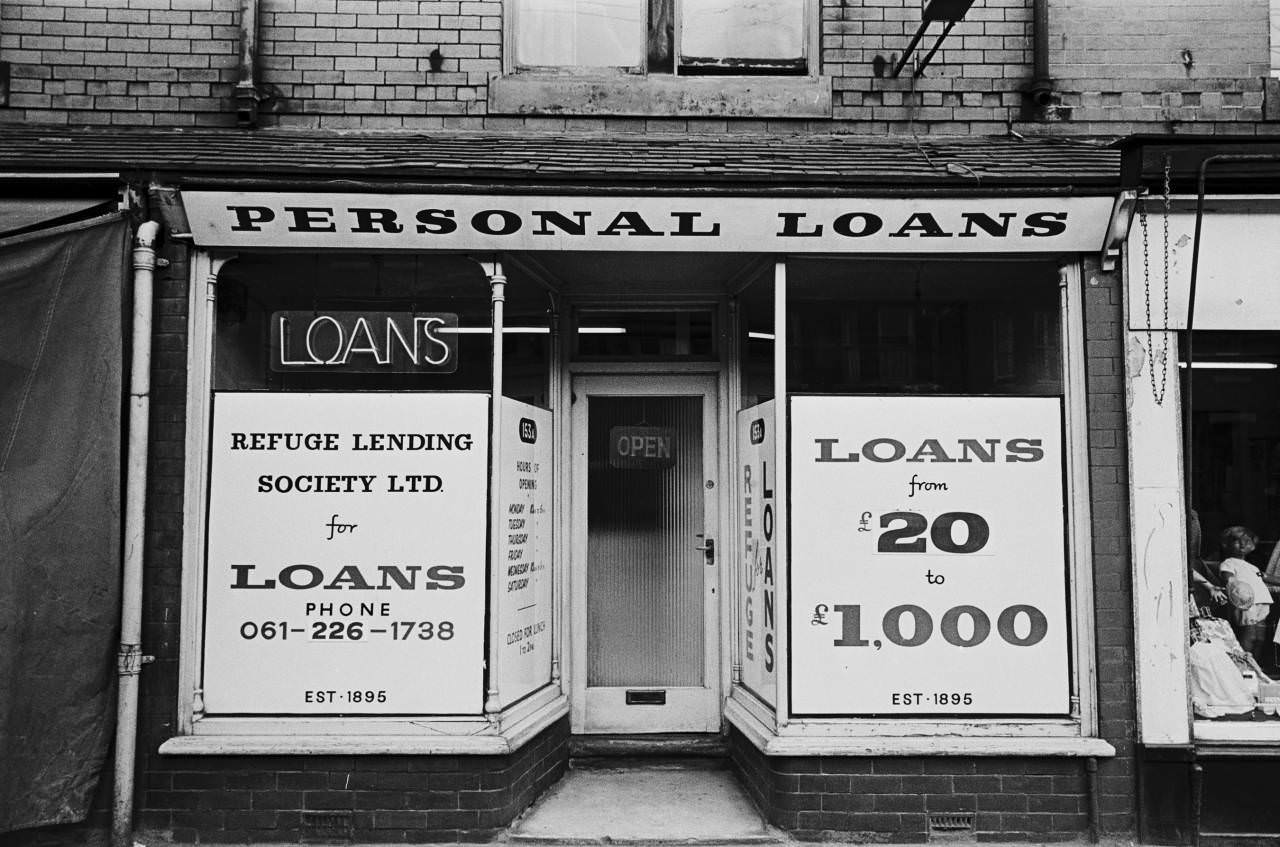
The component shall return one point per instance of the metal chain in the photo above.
(1161, 357)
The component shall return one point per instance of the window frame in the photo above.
(810, 52)
(194, 732)
(606, 92)
(775, 731)
(1158, 529)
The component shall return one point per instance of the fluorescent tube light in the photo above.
(763, 336)
(485, 330)
(602, 330)
(1231, 366)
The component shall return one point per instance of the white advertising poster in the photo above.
(523, 573)
(928, 556)
(758, 570)
(346, 554)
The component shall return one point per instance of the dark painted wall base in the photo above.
(1165, 807)
(1231, 799)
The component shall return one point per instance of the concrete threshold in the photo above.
(644, 802)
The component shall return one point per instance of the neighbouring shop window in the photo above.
(927, 403)
(353, 318)
(1235, 524)
(663, 36)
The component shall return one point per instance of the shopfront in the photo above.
(468, 472)
(1203, 330)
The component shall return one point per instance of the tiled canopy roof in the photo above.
(540, 159)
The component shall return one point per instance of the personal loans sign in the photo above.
(703, 224)
(928, 561)
(346, 551)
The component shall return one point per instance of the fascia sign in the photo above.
(692, 224)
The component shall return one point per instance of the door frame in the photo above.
(626, 383)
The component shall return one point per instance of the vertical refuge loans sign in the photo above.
(758, 571)
(928, 556)
(346, 554)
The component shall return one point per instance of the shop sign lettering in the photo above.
(364, 342)
(424, 222)
(758, 574)
(346, 553)
(927, 546)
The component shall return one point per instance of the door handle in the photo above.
(708, 548)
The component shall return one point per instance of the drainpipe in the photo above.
(130, 660)
(497, 288)
(1041, 90)
(246, 92)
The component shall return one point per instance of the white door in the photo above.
(645, 560)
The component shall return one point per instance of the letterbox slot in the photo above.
(646, 698)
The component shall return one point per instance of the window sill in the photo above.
(1237, 732)
(372, 736)
(858, 738)
(706, 97)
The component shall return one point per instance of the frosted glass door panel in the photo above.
(580, 33)
(644, 514)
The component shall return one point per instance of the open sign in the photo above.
(642, 447)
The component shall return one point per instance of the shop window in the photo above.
(925, 399)
(350, 486)
(319, 301)
(755, 341)
(1235, 501)
(654, 335)
(924, 328)
(663, 36)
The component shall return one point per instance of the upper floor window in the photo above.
(663, 36)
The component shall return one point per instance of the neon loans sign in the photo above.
(364, 342)
(702, 224)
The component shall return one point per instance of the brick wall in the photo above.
(352, 64)
(388, 799)
(975, 79)
(1121, 67)
(1012, 799)
(891, 799)
(1112, 585)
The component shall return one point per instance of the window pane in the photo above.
(742, 29)
(644, 573)
(933, 327)
(645, 335)
(580, 33)
(1234, 524)
(257, 286)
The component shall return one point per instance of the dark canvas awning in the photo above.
(766, 162)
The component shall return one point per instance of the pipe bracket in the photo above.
(129, 660)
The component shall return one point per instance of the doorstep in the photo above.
(637, 801)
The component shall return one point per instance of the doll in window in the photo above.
(1248, 591)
